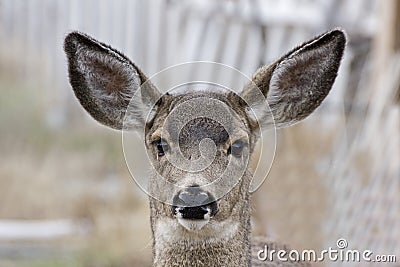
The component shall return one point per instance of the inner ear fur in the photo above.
(296, 84)
(104, 81)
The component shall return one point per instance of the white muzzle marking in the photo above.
(193, 225)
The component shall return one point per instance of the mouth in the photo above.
(194, 218)
(194, 208)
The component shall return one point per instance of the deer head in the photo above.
(191, 126)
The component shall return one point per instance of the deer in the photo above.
(194, 226)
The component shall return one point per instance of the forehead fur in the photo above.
(200, 128)
(203, 127)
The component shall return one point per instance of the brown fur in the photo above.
(104, 81)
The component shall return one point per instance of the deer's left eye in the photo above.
(162, 147)
(236, 148)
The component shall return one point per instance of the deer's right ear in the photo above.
(104, 81)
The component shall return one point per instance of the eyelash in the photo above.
(162, 147)
(236, 148)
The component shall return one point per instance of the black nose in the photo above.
(194, 203)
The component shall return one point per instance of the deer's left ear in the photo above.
(296, 84)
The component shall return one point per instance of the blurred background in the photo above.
(66, 196)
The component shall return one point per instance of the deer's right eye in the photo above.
(162, 147)
(236, 148)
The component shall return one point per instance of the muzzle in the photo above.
(193, 203)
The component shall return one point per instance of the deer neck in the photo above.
(231, 247)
